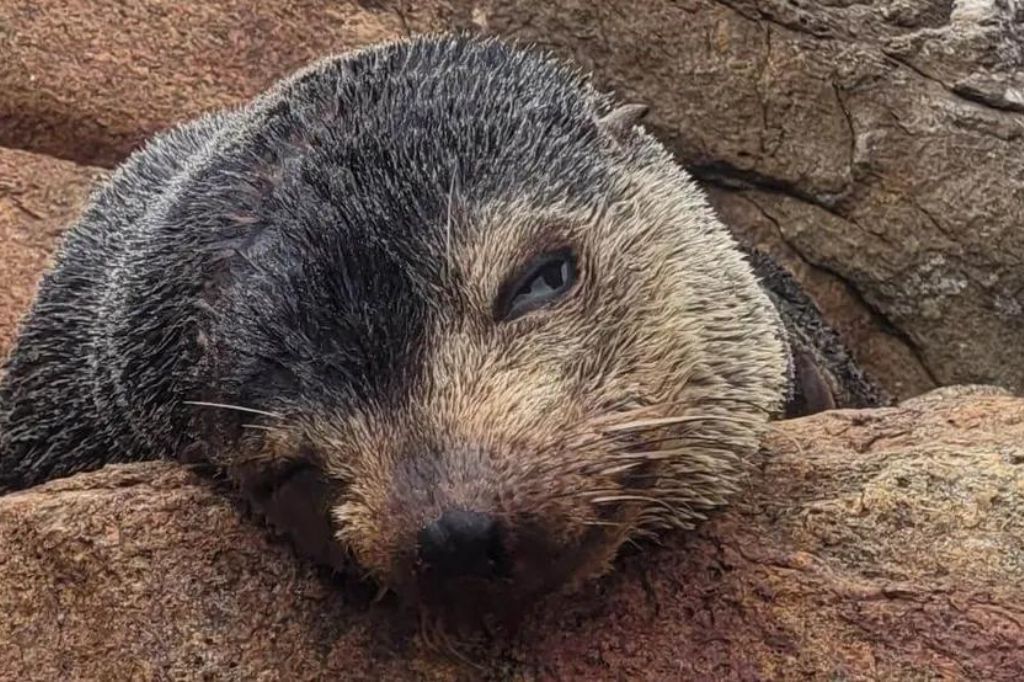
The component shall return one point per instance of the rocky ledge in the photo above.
(881, 544)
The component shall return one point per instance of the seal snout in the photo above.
(462, 544)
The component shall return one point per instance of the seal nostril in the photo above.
(463, 544)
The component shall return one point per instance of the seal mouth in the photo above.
(470, 555)
(473, 572)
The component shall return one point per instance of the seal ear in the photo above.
(619, 121)
(812, 393)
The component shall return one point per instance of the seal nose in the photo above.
(463, 544)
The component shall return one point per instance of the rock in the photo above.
(876, 148)
(882, 544)
(878, 347)
(39, 197)
(128, 70)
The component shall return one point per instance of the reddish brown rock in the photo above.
(883, 544)
(39, 197)
(879, 347)
(882, 144)
(884, 141)
(876, 148)
(90, 80)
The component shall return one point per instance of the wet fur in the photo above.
(325, 260)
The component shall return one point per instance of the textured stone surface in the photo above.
(880, 144)
(877, 148)
(128, 69)
(39, 196)
(883, 544)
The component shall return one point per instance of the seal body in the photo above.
(437, 307)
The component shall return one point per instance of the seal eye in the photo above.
(543, 281)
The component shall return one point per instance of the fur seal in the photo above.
(438, 307)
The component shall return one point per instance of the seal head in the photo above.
(502, 330)
(438, 306)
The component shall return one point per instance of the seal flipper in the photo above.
(294, 499)
(811, 392)
(823, 373)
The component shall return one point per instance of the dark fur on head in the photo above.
(302, 292)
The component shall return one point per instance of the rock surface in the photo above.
(879, 147)
(39, 197)
(884, 544)
(128, 70)
(876, 148)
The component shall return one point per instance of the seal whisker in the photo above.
(448, 222)
(452, 648)
(689, 401)
(662, 411)
(659, 422)
(609, 524)
(425, 631)
(238, 408)
(634, 498)
(732, 401)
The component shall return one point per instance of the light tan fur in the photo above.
(667, 338)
